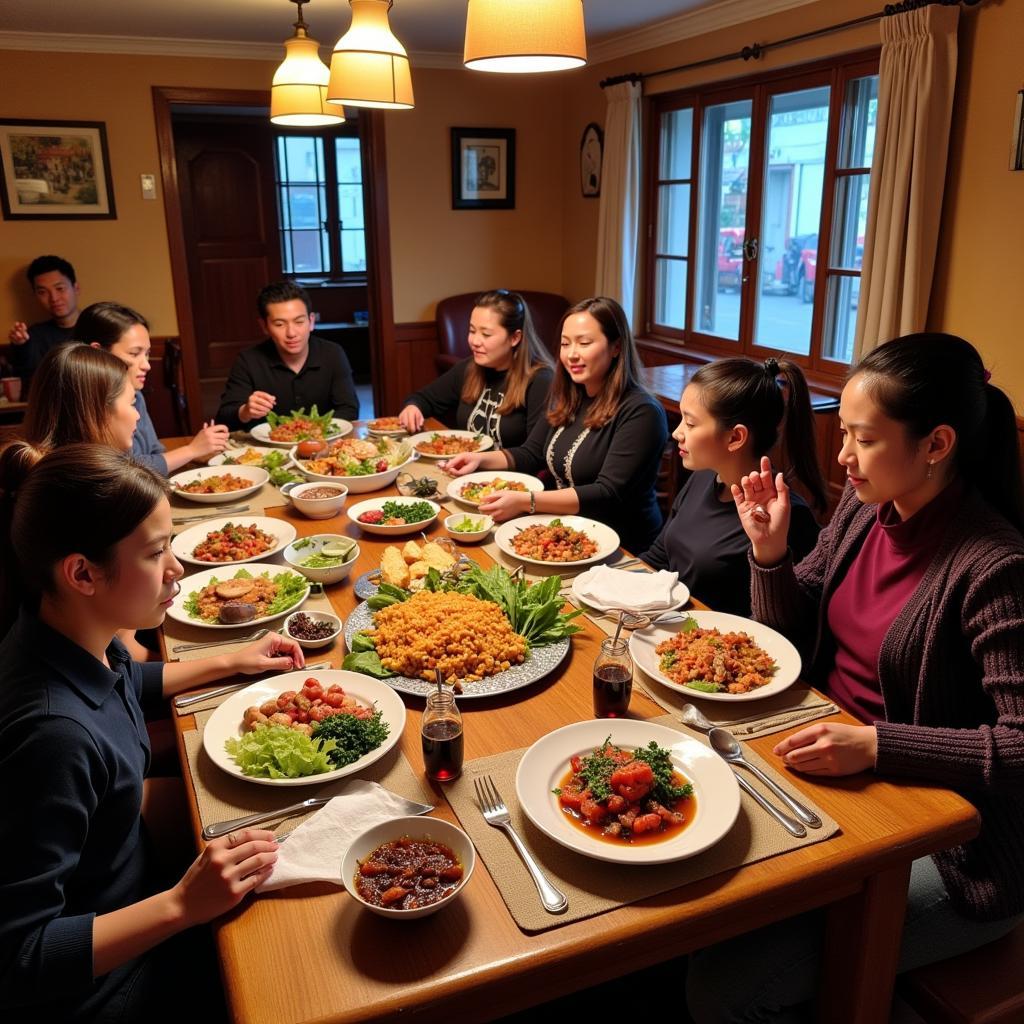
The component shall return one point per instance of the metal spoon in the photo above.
(727, 746)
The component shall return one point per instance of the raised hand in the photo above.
(763, 506)
(258, 404)
(18, 334)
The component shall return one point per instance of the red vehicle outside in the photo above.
(730, 258)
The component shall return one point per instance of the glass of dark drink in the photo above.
(441, 734)
(613, 679)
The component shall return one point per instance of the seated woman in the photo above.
(602, 439)
(500, 390)
(911, 604)
(732, 411)
(125, 333)
(85, 537)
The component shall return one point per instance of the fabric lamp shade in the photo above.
(524, 36)
(298, 95)
(369, 67)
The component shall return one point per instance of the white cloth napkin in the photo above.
(314, 850)
(606, 587)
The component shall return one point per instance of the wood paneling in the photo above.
(415, 348)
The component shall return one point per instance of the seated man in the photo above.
(292, 369)
(53, 281)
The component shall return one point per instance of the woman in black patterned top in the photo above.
(602, 438)
(500, 390)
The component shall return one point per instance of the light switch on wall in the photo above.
(148, 186)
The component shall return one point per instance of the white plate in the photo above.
(219, 460)
(359, 484)
(605, 537)
(679, 594)
(455, 487)
(186, 541)
(257, 475)
(261, 433)
(643, 642)
(372, 504)
(427, 435)
(226, 722)
(190, 584)
(545, 764)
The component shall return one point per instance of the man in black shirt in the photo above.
(292, 369)
(53, 281)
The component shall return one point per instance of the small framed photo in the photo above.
(591, 154)
(55, 170)
(483, 168)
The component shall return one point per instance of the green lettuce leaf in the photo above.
(277, 752)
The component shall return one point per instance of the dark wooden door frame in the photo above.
(378, 241)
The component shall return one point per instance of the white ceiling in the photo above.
(424, 26)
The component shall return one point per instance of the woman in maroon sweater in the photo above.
(910, 611)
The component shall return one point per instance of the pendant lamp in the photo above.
(298, 94)
(369, 67)
(524, 36)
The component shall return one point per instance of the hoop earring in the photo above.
(931, 466)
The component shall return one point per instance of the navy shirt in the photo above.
(325, 381)
(146, 448)
(26, 358)
(73, 753)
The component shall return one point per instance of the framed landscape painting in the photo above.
(483, 168)
(53, 170)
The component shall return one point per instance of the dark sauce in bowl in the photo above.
(408, 873)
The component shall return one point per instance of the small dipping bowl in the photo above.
(315, 508)
(416, 828)
(328, 617)
(315, 545)
(473, 536)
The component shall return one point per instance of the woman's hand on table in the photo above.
(830, 748)
(224, 873)
(505, 505)
(411, 418)
(273, 652)
(463, 463)
(763, 506)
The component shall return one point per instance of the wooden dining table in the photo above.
(310, 953)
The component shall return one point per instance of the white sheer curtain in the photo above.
(917, 77)
(618, 231)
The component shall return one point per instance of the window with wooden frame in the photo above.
(756, 204)
(320, 204)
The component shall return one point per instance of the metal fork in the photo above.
(496, 813)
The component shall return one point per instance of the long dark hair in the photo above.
(528, 356)
(925, 380)
(624, 373)
(72, 396)
(105, 322)
(764, 397)
(106, 494)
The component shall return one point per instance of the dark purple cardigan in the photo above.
(951, 672)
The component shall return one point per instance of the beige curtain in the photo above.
(618, 230)
(915, 102)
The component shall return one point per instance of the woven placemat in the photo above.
(268, 496)
(593, 886)
(220, 796)
(178, 633)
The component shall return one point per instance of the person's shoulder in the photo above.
(542, 376)
(984, 533)
(262, 352)
(639, 404)
(327, 352)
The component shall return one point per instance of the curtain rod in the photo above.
(757, 50)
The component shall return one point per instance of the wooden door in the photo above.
(229, 219)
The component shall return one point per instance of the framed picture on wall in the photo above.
(591, 154)
(483, 168)
(55, 170)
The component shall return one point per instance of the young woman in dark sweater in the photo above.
(501, 389)
(602, 438)
(910, 612)
(732, 411)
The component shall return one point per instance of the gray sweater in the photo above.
(951, 673)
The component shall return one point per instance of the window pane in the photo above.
(860, 111)
(676, 144)
(850, 221)
(353, 251)
(841, 317)
(790, 215)
(307, 253)
(303, 207)
(721, 217)
(350, 205)
(304, 159)
(349, 165)
(674, 220)
(670, 293)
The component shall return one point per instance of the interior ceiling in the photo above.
(423, 25)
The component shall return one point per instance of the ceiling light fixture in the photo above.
(524, 36)
(298, 94)
(369, 67)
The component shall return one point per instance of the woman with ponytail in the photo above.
(910, 614)
(732, 413)
(85, 550)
